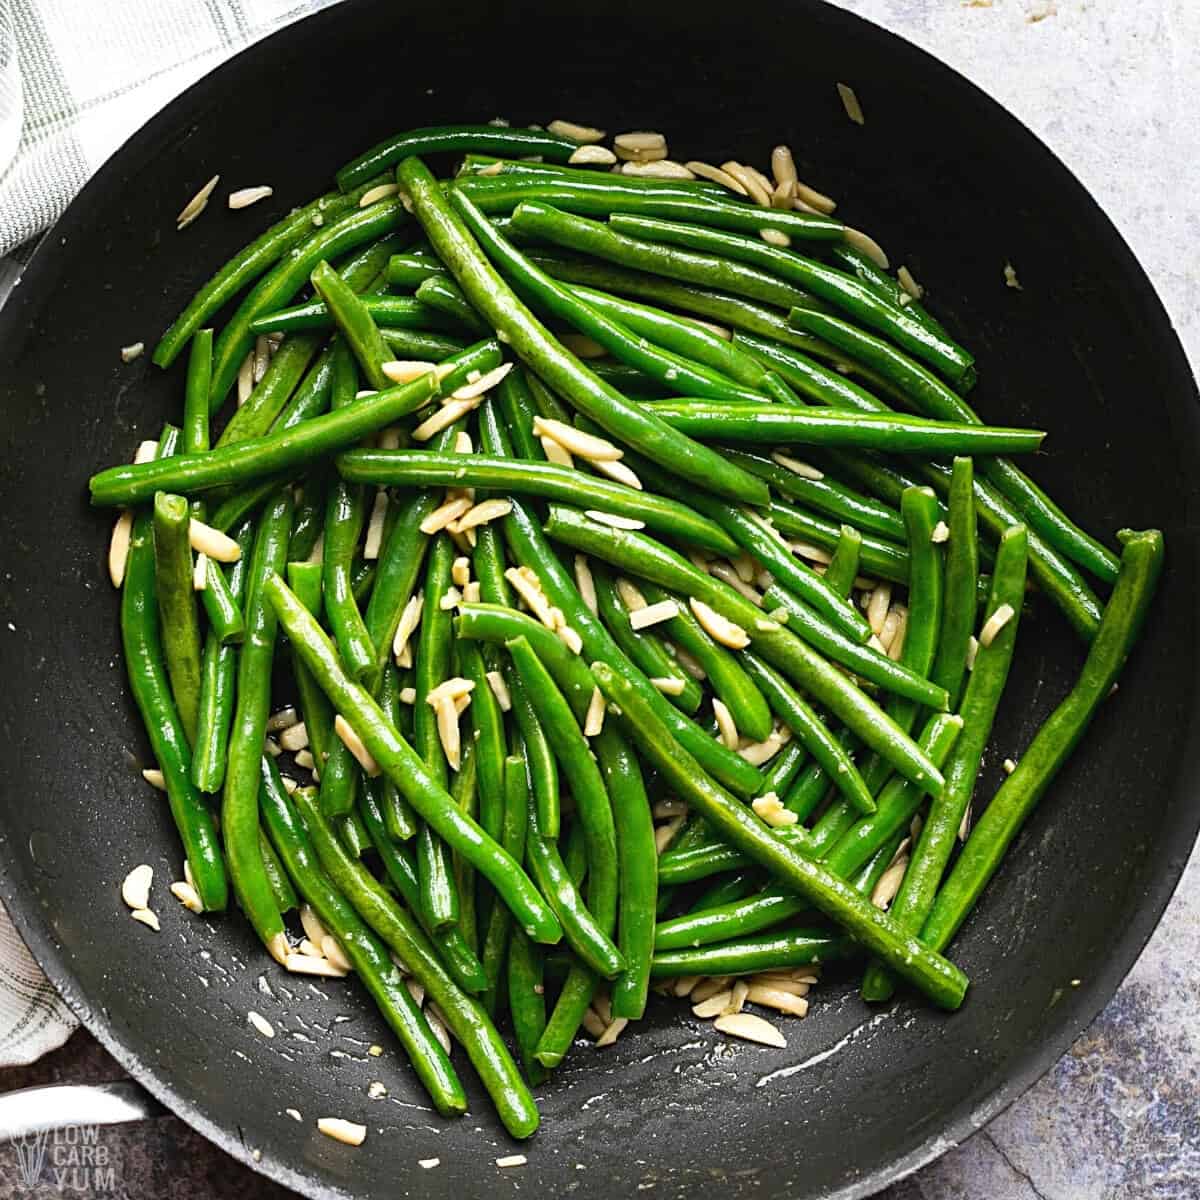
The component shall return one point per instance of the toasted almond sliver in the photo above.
(784, 1001)
(450, 689)
(716, 175)
(406, 370)
(867, 245)
(261, 1024)
(212, 542)
(600, 156)
(583, 445)
(135, 888)
(713, 1005)
(294, 737)
(941, 533)
(373, 542)
(146, 917)
(312, 925)
(444, 514)
(331, 948)
(118, 548)
(889, 884)
(640, 140)
(615, 520)
(585, 135)
(187, 895)
(684, 984)
(797, 466)
(448, 731)
(719, 628)
(304, 964)
(483, 384)
(630, 594)
(750, 1028)
(410, 618)
(593, 721)
(196, 205)
(556, 452)
(621, 472)
(661, 168)
(725, 724)
(851, 104)
(527, 585)
(586, 584)
(500, 690)
(748, 178)
(512, 1160)
(612, 1032)
(771, 809)
(482, 513)
(155, 778)
(995, 623)
(355, 745)
(570, 638)
(338, 1128)
(453, 410)
(669, 685)
(653, 614)
(775, 237)
(244, 197)
(460, 571)
(382, 192)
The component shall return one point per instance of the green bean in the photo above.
(1052, 745)
(778, 424)
(488, 564)
(398, 816)
(602, 241)
(464, 1016)
(516, 800)
(864, 882)
(352, 834)
(826, 495)
(178, 620)
(800, 718)
(897, 804)
(514, 401)
(583, 777)
(730, 888)
(847, 292)
(530, 548)
(286, 451)
(359, 331)
(224, 617)
(647, 653)
(980, 701)
(725, 674)
(367, 953)
(243, 773)
(310, 518)
(486, 165)
(582, 931)
(411, 270)
(491, 747)
(719, 923)
(842, 570)
(439, 897)
(401, 870)
(421, 345)
(441, 294)
(398, 760)
(453, 139)
(406, 468)
(168, 741)
(388, 312)
(542, 768)
(195, 401)
(875, 277)
(883, 559)
(463, 236)
(278, 287)
(944, 983)
(287, 367)
(527, 1002)
(304, 578)
(600, 195)
(962, 574)
(930, 396)
(798, 661)
(754, 953)
(281, 885)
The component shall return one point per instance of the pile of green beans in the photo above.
(554, 646)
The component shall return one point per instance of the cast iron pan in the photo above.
(953, 186)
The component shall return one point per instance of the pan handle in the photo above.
(37, 1109)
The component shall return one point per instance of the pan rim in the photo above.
(967, 1117)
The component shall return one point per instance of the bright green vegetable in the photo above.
(179, 621)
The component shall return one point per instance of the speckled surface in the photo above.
(1113, 89)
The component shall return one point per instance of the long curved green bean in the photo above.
(725, 674)
(366, 952)
(647, 653)
(530, 548)
(602, 195)
(980, 702)
(441, 294)
(754, 953)
(354, 320)
(406, 468)
(465, 241)
(527, 1002)
(287, 367)
(195, 432)
(930, 396)
(388, 312)
(151, 692)
(491, 744)
(940, 980)
(1124, 616)
(243, 772)
(798, 661)
(779, 424)
(179, 621)
(398, 816)
(453, 139)
(279, 453)
(962, 576)
(846, 292)
(719, 923)
(224, 616)
(516, 799)
(248, 264)
(582, 774)
(842, 570)
(879, 558)
(539, 757)
(401, 764)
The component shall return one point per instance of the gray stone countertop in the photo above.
(1113, 88)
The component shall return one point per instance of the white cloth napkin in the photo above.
(88, 75)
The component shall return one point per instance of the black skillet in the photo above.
(953, 186)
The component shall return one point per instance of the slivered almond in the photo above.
(527, 585)
(593, 721)
(482, 513)
(586, 584)
(349, 1132)
(995, 623)
(448, 731)
(355, 745)
(187, 895)
(669, 685)
(212, 542)
(373, 542)
(244, 197)
(716, 175)
(410, 618)
(155, 778)
(585, 135)
(770, 808)
(406, 370)
(304, 964)
(196, 205)
(375, 194)
(750, 1028)
(118, 547)
(444, 514)
(584, 445)
(719, 628)
(556, 452)
(294, 737)
(619, 471)
(450, 689)
(777, 998)
(453, 410)
(725, 724)
(797, 466)
(653, 614)
(135, 888)
(484, 384)
(615, 520)
(500, 690)
(600, 156)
